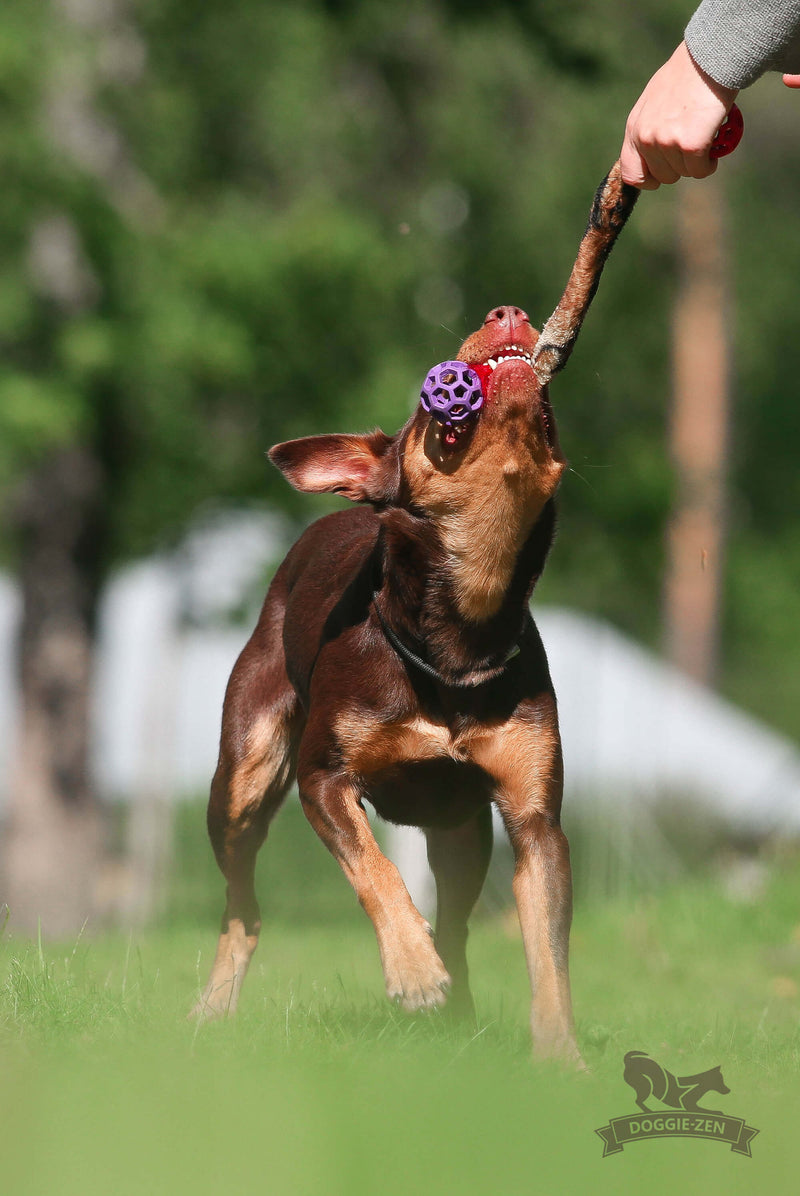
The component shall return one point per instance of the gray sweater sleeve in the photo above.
(736, 41)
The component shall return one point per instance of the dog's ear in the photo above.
(362, 468)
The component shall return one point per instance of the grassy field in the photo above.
(319, 1087)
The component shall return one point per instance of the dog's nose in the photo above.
(511, 317)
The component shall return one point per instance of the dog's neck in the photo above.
(420, 590)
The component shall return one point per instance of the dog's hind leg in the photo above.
(459, 858)
(524, 757)
(260, 729)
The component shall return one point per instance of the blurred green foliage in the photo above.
(229, 224)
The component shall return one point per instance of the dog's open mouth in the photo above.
(509, 353)
(485, 369)
(512, 352)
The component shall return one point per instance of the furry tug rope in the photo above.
(613, 204)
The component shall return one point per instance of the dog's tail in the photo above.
(613, 204)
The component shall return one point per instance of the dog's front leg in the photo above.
(415, 976)
(525, 759)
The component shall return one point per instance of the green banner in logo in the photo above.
(621, 1131)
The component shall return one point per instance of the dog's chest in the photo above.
(369, 745)
(415, 772)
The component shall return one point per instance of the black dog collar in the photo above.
(479, 676)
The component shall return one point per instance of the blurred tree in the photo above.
(699, 421)
(228, 224)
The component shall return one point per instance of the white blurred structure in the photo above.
(633, 728)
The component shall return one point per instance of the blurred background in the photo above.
(228, 224)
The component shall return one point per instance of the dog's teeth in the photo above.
(512, 353)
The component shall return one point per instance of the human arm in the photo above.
(728, 44)
(671, 126)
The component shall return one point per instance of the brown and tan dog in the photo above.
(396, 661)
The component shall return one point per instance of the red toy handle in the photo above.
(728, 135)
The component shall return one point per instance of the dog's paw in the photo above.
(419, 992)
(416, 978)
(211, 1005)
(561, 1047)
(201, 1012)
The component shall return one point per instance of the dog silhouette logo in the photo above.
(685, 1116)
(649, 1080)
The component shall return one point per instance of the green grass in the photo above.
(317, 1086)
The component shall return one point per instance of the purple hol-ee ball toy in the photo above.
(452, 393)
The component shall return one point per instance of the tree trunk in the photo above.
(54, 842)
(699, 434)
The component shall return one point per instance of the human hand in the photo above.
(670, 129)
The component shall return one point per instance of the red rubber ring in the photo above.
(728, 135)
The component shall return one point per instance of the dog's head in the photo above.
(510, 449)
(512, 444)
(515, 437)
(483, 490)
